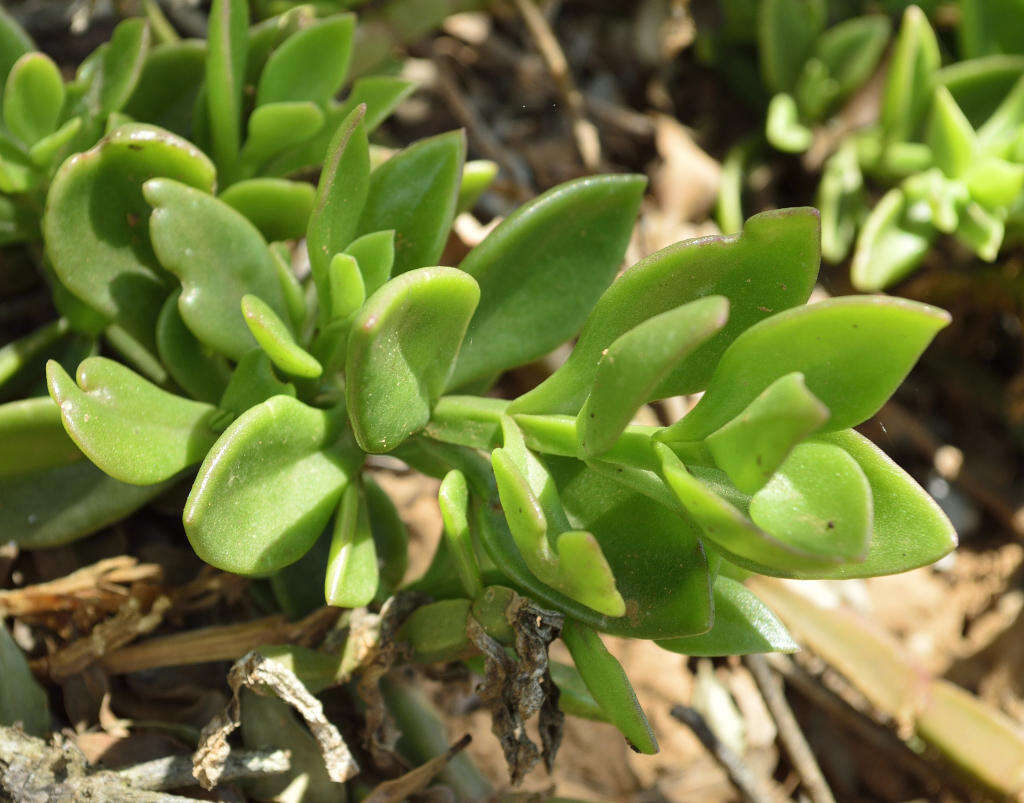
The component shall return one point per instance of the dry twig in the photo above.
(789, 731)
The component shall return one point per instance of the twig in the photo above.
(877, 736)
(585, 132)
(173, 772)
(480, 132)
(789, 731)
(752, 789)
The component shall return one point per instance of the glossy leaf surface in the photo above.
(33, 98)
(279, 208)
(743, 625)
(768, 268)
(542, 270)
(401, 350)
(852, 351)
(609, 685)
(228, 41)
(268, 486)
(311, 64)
(633, 366)
(375, 253)
(127, 426)
(352, 572)
(415, 193)
(201, 373)
(275, 338)
(95, 221)
(192, 231)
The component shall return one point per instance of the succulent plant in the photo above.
(265, 393)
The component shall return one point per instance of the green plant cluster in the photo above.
(263, 394)
(946, 148)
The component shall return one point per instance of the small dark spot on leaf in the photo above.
(134, 146)
(831, 525)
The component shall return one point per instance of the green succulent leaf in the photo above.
(608, 684)
(453, 501)
(768, 268)
(910, 78)
(375, 254)
(950, 136)
(415, 193)
(477, 176)
(352, 571)
(981, 231)
(33, 98)
(22, 700)
(14, 42)
(380, 95)
(279, 208)
(890, 244)
(390, 535)
(348, 293)
(119, 67)
(47, 150)
(340, 199)
(200, 373)
(783, 127)
(169, 85)
(853, 352)
(99, 249)
(311, 64)
(192, 231)
(52, 494)
(228, 42)
(541, 271)
(750, 447)
(743, 626)
(786, 34)
(276, 127)
(130, 428)
(851, 50)
(910, 530)
(635, 364)
(252, 382)
(275, 338)
(437, 631)
(401, 349)
(275, 475)
(994, 182)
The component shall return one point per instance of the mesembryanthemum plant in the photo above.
(561, 517)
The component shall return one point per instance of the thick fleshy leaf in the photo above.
(756, 442)
(22, 700)
(841, 201)
(375, 253)
(340, 199)
(477, 176)
(119, 67)
(47, 150)
(14, 42)
(95, 222)
(818, 495)
(950, 136)
(311, 64)
(252, 382)
(743, 625)
(783, 127)
(192, 231)
(23, 361)
(542, 270)
(910, 77)
(889, 245)
(715, 510)
(269, 485)
(390, 535)
(52, 494)
(401, 350)
(910, 530)
(607, 682)
(980, 86)
(348, 293)
(994, 182)
(853, 351)
(33, 98)
(635, 364)
(201, 373)
(381, 94)
(168, 86)
(227, 44)
(415, 193)
(771, 266)
(130, 428)
(352, 572)
(453, 501)
(279, 208)
(436, 631)
(981, 231)
(275, 127)
(786, 33)
(275, 338)
(852, 48)
(17, 172)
